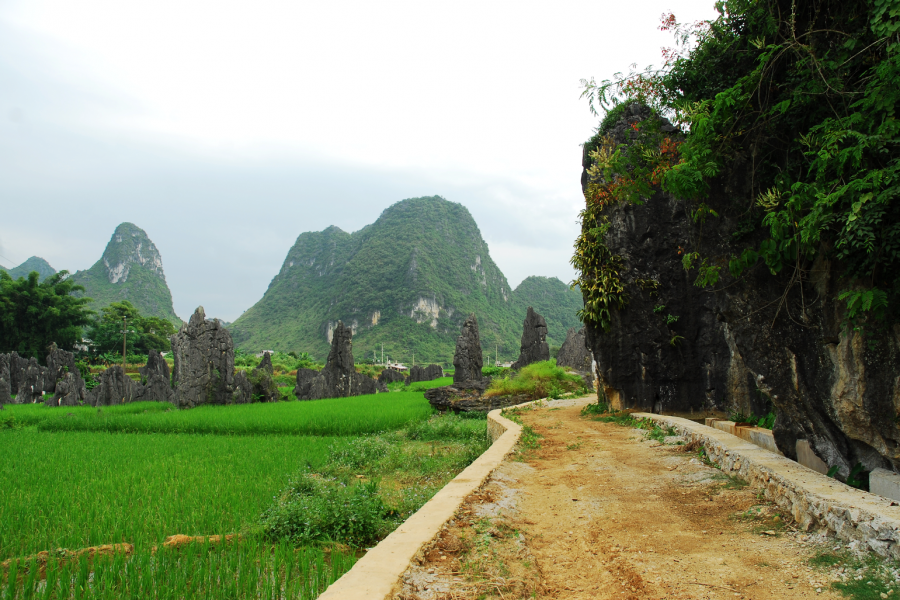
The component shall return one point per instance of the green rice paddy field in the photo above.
(78, 477)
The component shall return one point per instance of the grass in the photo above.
(861, 577)
(78, 489)
(339, 416)
(529, 441)
(420, 386)
(537, 380)
(106, 484)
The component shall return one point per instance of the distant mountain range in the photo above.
(406, 281)
(35, 263)
(129, 269)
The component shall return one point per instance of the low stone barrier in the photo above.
(377, 574)
(815, 501)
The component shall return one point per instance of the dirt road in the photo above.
(598, 511)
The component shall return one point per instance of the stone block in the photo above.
(885, 483)
(808, 458)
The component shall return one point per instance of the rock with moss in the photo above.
(262, 381)
(68, 391)
(114, 387)
(5, 386)
(203, 372)
(31, 384)
(391, 376)
(534, 347)
(339, 378)
(429, 373)
(59, 363)
(468, 360)
(156, 384)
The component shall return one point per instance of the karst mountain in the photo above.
(130, 269)
(35, 263)
(407, 281)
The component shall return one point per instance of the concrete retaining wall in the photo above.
(815, 501)
(377, 574)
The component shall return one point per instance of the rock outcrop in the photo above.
(69, 391)
(391, 376)
(758, 343)
(534, 346)
(156, 384)
(59, 364)
(574, 352)
(429, 373)
(115, 387)
(469, 398)
(262, 381)
(5, 383)
(468, 360)
(31, 383)
(339, 378)
(203, 372)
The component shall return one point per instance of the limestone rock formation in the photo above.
(469, 398)
(5, 385)
(758, 343)
(31, 384)
(534, 340)
(339, 378)
(204, 363)
(59, 363)
(68, 391)
(155, 384)
(262, 380)
(17, 366)
(115, 387)
(391, 376)
(574, 352)
(243, 389)
(467, 360)
(429, 373)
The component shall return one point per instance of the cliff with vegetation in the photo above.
(407, 281)
(129, 269)
(740, 244)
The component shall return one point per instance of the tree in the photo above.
(34, 314)
(144, 333)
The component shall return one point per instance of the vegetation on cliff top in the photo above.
(407, 281)
(35, 263)
(803, 91)
(130, 269)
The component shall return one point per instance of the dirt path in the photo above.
(599, 512)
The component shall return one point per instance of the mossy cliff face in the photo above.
(756, 343)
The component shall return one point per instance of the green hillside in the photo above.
(554, 301)
(408, 281)
(130, 269)
(35, 263)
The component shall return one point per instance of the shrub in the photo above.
(316, 509)
(537, 380)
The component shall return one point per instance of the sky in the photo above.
(226, 129)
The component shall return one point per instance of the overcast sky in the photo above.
(225, 129)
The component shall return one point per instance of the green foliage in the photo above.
(144, 333)
(537, 380)
(33, 314)
(35, 263)
(811, 94)
(340, 416)
(7, 421)
(767, 421)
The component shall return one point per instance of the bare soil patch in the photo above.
(599, 512)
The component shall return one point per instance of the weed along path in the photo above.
(599, 511)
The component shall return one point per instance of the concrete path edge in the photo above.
(377, 574)
(812, 499)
